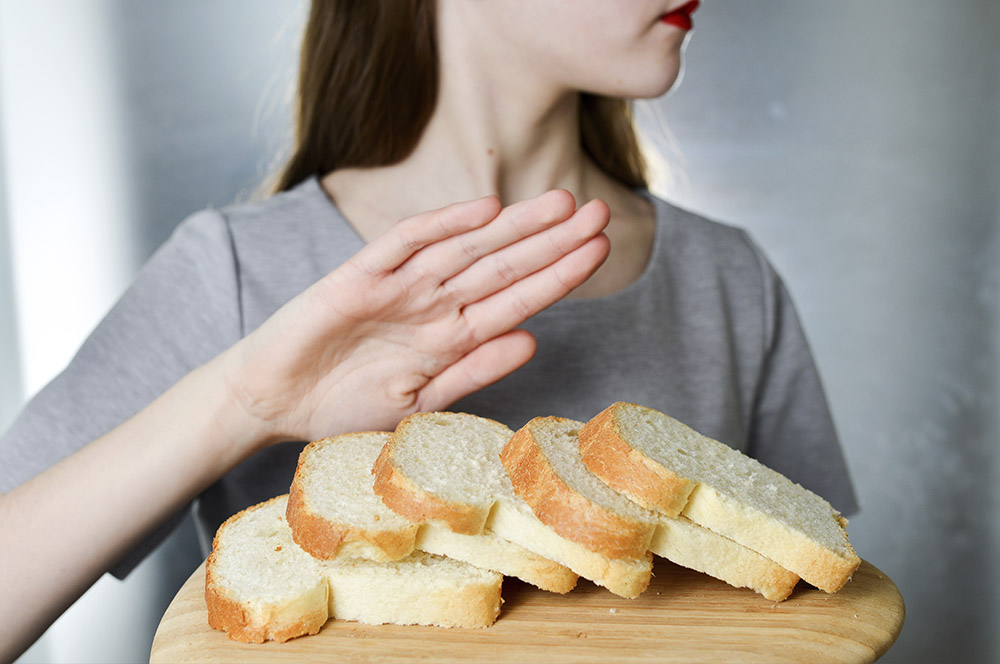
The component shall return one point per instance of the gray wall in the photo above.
(206, 88)
(859, 142)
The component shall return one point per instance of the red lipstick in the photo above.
(681, 17)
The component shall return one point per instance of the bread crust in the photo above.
(828, 572)
(624, 581)
(546, 574)
(323, 538)
(230, 616)
(404, 497)
(477, 606)
(608, 455)
(564, 510)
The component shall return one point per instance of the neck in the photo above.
(498, 127)
(498, 144)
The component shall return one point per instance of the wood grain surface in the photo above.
(683, 617)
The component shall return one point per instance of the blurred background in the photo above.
(859, 142)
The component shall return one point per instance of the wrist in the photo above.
(240, 429)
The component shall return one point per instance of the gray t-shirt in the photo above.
(707, 334)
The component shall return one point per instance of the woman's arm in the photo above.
(419, 318)
(67, 526)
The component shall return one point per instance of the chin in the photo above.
(656, 84)
(657, 89)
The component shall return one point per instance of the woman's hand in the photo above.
(422, 316)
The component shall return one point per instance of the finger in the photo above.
(508, 308)
(518, 221)
(391, 249)
(516, 261)
(485, 365)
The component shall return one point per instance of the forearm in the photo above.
(64, 528)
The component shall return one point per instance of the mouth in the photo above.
(681, 17)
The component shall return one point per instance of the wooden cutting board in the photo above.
(684, 616)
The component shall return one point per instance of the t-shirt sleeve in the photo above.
(792, 429)
(181, 311)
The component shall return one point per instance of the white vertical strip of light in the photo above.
(10, 366)
(68, 215)
(65, 168)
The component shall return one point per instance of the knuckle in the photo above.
(411, 274)
(358, 266)
(442, 218)
(472, 333)
(521, 307)
(524, 223)
(408, 240)
(470, 249)
(556, 245)
(565, 285)
(473, 379)
(451, 295)
(507, 273)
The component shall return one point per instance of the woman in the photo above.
(316, 312)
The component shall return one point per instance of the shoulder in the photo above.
(295, 231)
(301, 209)
(716, 266)
(283, 244)
(698, 232)
(692, 241)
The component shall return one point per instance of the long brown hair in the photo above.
(368, 84)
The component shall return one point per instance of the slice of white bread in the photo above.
(661, 463)
(445, 468)
(260, 585)
(625, 577)
(332, 509)
(683, 542)
(334, 513)
(544, 465)
(442, 467)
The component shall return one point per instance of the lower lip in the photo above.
(681, 17)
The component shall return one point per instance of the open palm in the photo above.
(422, 316)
